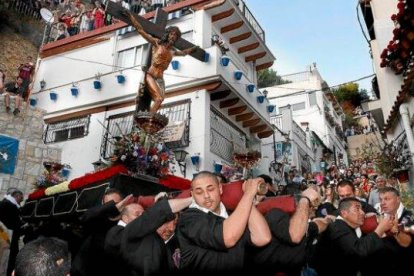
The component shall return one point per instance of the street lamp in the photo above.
(180, 156)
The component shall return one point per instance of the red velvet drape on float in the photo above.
(232, 193)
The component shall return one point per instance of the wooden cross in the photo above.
(157, 29)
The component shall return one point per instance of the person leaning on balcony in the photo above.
(13, 89)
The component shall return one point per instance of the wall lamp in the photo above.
(42, 84)
(180, 156)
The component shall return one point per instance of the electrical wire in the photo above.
(360, 24)
(316, 90)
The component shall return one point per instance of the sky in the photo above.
(327, 32)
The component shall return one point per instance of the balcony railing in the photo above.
(277, 121)
(250, 18)
(299, 131)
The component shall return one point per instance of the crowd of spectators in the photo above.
(361, 173)
(71, 17)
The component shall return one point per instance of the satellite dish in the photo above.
(47, 15)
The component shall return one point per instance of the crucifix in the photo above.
(165, 44)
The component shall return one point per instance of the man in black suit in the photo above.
(290, 238)
(213, 242)
(146, 244)
(91, 258)
(344, 189)
(10, 217)
(114, 237)
(399, 246)
(343, 246)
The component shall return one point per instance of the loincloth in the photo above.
(161, 84)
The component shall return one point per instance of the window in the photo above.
(283, 108)
(312, 99)
(132, 56)
(298, 106)
(66, 130)
(177, 112)
(225, 137)
(126, 58)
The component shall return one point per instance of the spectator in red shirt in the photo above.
(26, 73)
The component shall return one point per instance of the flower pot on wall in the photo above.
(65, 172)
(120, 78)
(175, 64)
(238, 74)
(75, 91)
(53, 96)
(224, 61)
(33, 102)
(97, 84)
(195, 159)
(251, 87)
(260, 99)
(217, 167)
(270, 108)
(206, 57)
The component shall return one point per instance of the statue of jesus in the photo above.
(162, 53)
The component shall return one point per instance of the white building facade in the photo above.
(217, 112)
(387, 34)
(309, 116)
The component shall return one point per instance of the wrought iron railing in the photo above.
(251, 19)
(121, 124)
(66, 130)
(299, 131)
(225, 137)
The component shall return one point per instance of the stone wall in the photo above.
(27, 127)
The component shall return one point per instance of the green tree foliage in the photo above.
(269, 77)
(350, 93)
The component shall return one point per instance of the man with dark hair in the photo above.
(10, 217)
(211, 241)
(91, 258)
(43, 256)
(13, 89)
(271, 191)
(146, 244)
(344, 189)
(343, 240)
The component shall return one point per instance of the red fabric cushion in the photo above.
(232, 193)
(175, 182)
(285, 203)
(370, 223)
(145, 201)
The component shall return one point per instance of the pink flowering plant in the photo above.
(141, 156)
(53, 174)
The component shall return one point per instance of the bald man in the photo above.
(211, 241)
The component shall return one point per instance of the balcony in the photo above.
(236, 26)
(251, 19)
